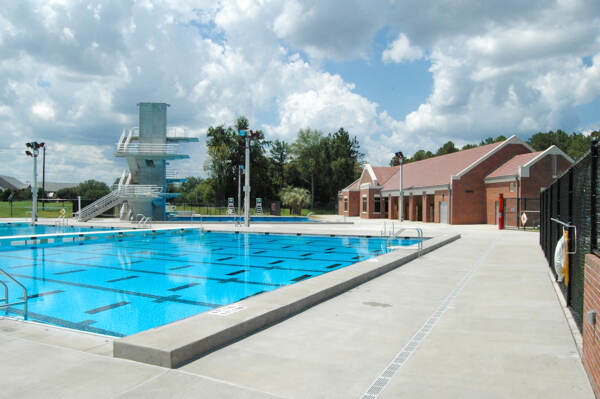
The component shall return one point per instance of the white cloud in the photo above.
(71, 74)
(401, 50)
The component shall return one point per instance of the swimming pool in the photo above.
(253, 219)
(122, 287)
(21, 229)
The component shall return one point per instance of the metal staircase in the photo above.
(120, 194)
(105, 203)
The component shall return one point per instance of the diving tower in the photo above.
(148, 150)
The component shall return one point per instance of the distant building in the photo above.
(11, 183)
(457, 188)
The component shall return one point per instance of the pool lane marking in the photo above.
(180, 267)
(415, 342)
(303, 277)
(141, 294)
(236, 272)
(107, 307)
(82, 325)
(43, 294)
(201, 263)
(197, 263)
(69, 272)
(182, 287)
(114, 280)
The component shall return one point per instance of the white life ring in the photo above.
(559, 259)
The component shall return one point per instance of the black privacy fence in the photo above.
(571, 203)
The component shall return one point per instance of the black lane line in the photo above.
(182, 287)
(180, 267)
(308, 254)
(276, 262)
(43, 294)
(302, 277)
(107, 307)
(69, 272)
(200, 263)
(229, 257)
(237, 272)
(334, 265)
(287, 246)
(142, 294)
(82, 325)
(258, 252)
(114, 280)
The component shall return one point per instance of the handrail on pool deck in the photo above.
(395, 234)
(7, 304)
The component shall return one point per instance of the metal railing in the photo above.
(146, 148)
(137, 190)
(143, 220)
(7, 304)
(391, 233)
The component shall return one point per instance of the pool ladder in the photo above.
(391, 234)
(6, 304)
(144, 220)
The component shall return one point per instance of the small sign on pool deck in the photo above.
(227, 310)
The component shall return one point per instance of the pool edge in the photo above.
(180, 342)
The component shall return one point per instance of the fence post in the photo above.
(571, 234)
(594, 188)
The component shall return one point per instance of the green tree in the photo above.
(92, 189)
(341, 164)
(279, 155)
(447, 148)
(308, 157)
(295, 198)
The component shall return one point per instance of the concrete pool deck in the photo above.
(478, 317)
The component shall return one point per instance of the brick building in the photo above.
(453, 188)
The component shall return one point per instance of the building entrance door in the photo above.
(443, 212)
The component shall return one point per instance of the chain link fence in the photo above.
(571, 203)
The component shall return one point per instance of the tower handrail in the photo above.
(7, 304)
(146, 148)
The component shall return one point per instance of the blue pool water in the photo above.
(21, 229)
(126, 286)
(253, 219)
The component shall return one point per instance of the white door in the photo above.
(443, 212)
(497, 213)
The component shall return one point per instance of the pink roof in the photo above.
(438, 170)
(353, 186)
(511, 167)
(383, 173)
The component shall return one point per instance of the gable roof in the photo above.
(438, 171)
(8, 182)
(354, 186)
(519, 164)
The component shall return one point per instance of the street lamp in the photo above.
(240, 171)
(248, 135)
(399, 159)
(34, 146)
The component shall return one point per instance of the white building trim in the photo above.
(552, 150)
(511, 140)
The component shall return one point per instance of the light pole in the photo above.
(43, 146)
(35, 150)
(248, 136)
(399, 159)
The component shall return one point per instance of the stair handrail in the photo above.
(7, 304)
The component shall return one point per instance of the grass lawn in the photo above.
(22, 209)
(210, 210)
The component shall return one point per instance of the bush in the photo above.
(295, 198)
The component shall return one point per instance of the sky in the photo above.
(401, 75)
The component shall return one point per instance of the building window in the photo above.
(377, 204)
(345, 204)
(150, 163)
(512, 187)
(364, 204)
